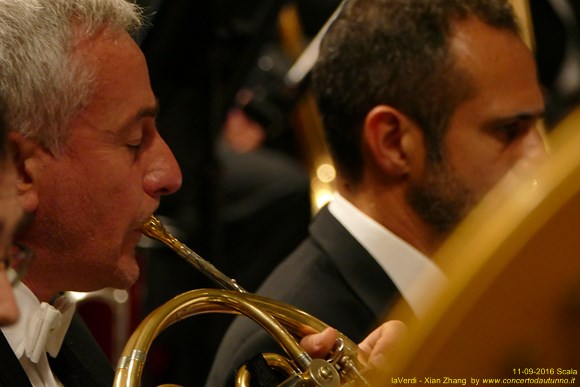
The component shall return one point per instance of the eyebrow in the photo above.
(531, 116)
(151, 111)
(524, 116)
(146, 112)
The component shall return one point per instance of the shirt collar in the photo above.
(41, 327)
(414, 274)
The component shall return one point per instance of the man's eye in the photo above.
(510, 131)
(134, 145)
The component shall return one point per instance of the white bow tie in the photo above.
(47, 328)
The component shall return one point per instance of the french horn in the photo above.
(285, 323)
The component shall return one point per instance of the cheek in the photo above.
(478, 170)
(122, 194)
(86, 197)
(103, 195)
(8, 309)
(477, 162)
(105, 183)
(481, 178)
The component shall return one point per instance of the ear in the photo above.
(388, 134)
(28, 166)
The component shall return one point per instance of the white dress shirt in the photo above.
(40, 330)
(415, 275)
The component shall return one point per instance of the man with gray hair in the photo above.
(92, 168)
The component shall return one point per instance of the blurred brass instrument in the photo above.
(283, 322)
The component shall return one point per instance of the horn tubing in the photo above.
(199, 301)
(153, 229)
(282, 321)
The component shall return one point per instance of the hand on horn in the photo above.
(375, 349)
(319, 344)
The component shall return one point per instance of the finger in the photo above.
(319, 344)
(379, 345)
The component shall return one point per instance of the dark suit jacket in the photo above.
(80, 362)
(331, 276)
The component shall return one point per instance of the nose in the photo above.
(163, 176)
(532, 152)
(535, 148)
(9, 312)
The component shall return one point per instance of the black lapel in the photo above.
(81, 361)
(365, 276)
(11, 372)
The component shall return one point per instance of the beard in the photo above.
(441, 199)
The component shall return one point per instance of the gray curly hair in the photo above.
(43, 83)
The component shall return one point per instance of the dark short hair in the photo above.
(395, 52)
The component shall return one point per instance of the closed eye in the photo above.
(135, 145)
(511, 130)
